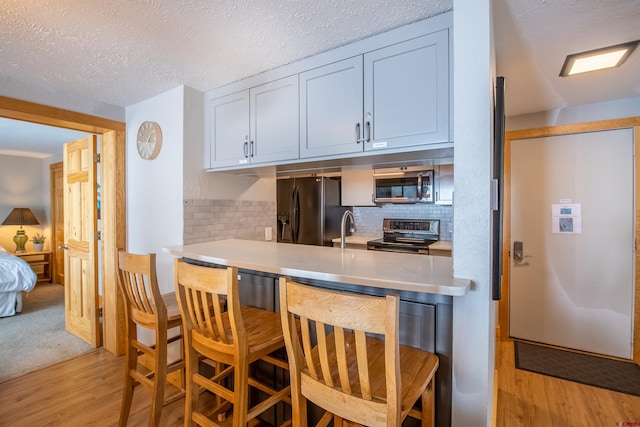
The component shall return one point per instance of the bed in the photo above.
(15, 276)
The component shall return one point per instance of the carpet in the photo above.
(615, 375)
(36, 337)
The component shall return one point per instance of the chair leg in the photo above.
(131, 363)
(192, 390)
(241, 394)
(160, 377)
(298, 403)
(428, 406)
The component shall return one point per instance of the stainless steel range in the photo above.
(407, 235)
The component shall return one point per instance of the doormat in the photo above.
(615, 375)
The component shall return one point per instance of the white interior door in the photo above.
(572, 207)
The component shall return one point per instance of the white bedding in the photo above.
(15, 276)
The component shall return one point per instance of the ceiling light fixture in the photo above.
(597, 59)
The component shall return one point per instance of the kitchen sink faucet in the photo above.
(343, 226)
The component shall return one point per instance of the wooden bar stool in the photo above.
(234, 338)
(351, 375)
(146, 307)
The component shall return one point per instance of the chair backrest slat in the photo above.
(341, 356)
(323, 354)
(363, 371)
(306, 345)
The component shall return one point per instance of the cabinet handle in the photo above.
(358, 139)
(368, 131)
(251, 150)
(246, 149)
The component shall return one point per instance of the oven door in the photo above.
(407, 248)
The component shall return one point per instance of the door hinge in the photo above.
(96, 158)
(99, 311)
(98, 235)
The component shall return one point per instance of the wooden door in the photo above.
(80, 225)
(57, 222)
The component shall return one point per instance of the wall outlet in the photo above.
(267, 233)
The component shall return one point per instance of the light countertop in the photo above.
(356, 240)
(405, 272)
(442, 245)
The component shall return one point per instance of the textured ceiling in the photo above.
(533, 37)
(125, 51)
(121, 52)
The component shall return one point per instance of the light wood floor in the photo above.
(529, 399)
(86, 391)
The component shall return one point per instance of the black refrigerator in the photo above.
(309, 210)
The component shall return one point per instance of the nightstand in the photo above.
(40, 263)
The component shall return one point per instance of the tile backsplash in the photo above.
(207, 220)
(369, 219)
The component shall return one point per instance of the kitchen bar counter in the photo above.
(403, 272)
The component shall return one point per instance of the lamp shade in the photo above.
(21, 216)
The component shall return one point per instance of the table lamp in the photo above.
(20, 216)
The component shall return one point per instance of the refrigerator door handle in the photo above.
(295, 214)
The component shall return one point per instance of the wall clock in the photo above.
(149, 140)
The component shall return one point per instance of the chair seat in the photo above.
(263, 328)
(417, 367)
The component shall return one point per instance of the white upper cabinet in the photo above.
(257, 125)
(406, 96)
(357, 187)
(444, 185)
(228, 129)
(274, 121)
(393, 97)
(331, 109)
(386, 94)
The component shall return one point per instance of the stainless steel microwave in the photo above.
(404, 187)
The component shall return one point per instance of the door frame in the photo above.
(113, 208)
(631, 122)
(53, 169)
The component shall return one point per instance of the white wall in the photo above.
(22, 185)
(154, 187)
(615, 109)
(473, 314)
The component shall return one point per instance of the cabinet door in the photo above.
(444, 185)
(331, 109)
(406, 95)
(357, 187)
(274, 121)
(228, 127)
(256, 291)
